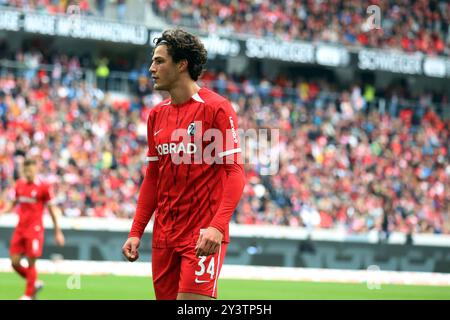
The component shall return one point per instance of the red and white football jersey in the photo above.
(190, 141)
(31, 198)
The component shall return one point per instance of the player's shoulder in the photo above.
(156, 109)
(212, 99)
(19, 182)
(41, 182)
(160, 106)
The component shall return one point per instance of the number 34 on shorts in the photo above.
(202, 274)
(209, 269)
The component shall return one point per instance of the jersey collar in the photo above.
(195, 97)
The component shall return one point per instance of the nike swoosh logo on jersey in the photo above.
(158, 132)
(200, 281)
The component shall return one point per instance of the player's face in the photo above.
(29, 172)
(164, 71)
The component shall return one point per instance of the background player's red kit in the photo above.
(28, 237)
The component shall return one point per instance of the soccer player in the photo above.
(28, 238)
(194, 178)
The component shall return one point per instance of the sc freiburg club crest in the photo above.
(191, 129)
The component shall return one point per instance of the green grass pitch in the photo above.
(110, 287)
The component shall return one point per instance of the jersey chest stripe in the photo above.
(167, 118)
(176, 168)
(209, 194)
(204, 113)
(196, 197)
(153, 122)
(172, 215)
(163, 114)
(188, 175)
(195, 114)
(184, 116)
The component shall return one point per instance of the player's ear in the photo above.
(182, 65)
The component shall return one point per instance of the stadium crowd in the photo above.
(48, 6)
(407, 25)
(343, 161)
(84, 7)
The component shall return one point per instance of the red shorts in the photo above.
(30, 245)
(179, 270)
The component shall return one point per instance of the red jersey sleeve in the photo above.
(147, 198)
(232, 192)
(13, 195)
(226, 121)
(152, 155)
(47, 194)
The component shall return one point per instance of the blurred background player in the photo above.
(194, 202)
(31, 196)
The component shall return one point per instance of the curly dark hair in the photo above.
(184, 45)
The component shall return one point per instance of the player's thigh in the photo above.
(34, 245)
(192, 296)
(17, 246)
(199, 275)
(165, 273)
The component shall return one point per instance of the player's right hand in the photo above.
(130, 249)
(59, 238)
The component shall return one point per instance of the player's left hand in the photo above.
(59, 238)
(208, 242)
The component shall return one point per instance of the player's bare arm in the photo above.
(55, 214)
(8, 207)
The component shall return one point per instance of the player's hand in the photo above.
(130, 249)
(208, 242)
(59, 238)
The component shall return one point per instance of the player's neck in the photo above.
(183, 92)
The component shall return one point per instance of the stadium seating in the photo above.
(340, 153)
(48, 6)
(406, 25)
(412, 26)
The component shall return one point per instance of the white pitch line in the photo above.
(371, 277)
